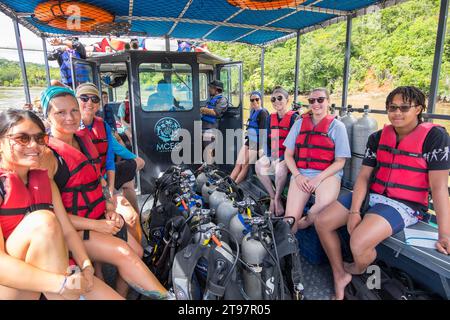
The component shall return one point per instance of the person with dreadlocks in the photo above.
(391, 190)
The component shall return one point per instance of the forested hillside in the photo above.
(391, 47)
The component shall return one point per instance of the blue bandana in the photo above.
(256, 93)
(49, 93)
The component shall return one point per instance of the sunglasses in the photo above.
(24, 139)
(319, 100)
(279, 98)
(85, 98)
(404, 108)
(256, 99)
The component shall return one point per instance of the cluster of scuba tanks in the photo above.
(358, 131)
(207, 240)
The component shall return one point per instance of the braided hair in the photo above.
(410, 94)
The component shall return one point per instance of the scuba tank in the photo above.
(200, 181)
(202, 177)
(238, 227)
(362, 129)
(200, 225)
(270, 252)
(224, 213)
(348, 120)
(226, 191)
(220, 270)
(217, 197)
(207, 189)
(215, 177)
(254, 253)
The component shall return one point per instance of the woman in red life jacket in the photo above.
(249, 151)
(72, 163)
(402, 162)
(100, 133)
(278, 125)
(316, 148)
(35, 232)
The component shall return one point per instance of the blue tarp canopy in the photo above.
(204, 20)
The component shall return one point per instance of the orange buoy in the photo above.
(71, 15)
(265, 4)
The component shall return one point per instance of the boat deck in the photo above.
(430, 268)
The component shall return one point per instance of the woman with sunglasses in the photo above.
(402, 162)
(71, 162)
(316, 148)
(249, 152)
(105, 143)
(278, 125)
(35, 232)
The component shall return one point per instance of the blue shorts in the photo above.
(396, 213)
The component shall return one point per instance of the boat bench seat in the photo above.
(428, 267)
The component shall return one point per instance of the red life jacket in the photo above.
(127, 111)
(278, 133)
(99, 139)
(82, 195)
(18, 199)
(402, 171)
(314, 149)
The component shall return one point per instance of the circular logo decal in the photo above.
(167, 129)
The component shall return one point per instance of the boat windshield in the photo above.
(165, 87)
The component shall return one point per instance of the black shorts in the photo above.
(122, 234)
(125, 171)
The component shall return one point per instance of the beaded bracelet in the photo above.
(63, 285)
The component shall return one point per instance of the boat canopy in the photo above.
(255, 22)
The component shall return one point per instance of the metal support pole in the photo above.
(47, 68)
(167, 43)
(22, 62)
(263, 51)
(348, 45)
(297, 67)
(440, 39)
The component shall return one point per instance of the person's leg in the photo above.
(239, 162)
(326, 223)
(263, 171)
(109, 249)
(39, 241)
(281, 173)
(99, 271)
(131, 217)
(121, 284)
(372, 230)
(295, 204)
(250, 159)
(208, 139)
(129, 192)
(125, 174)
(101, 291)
(325, 194)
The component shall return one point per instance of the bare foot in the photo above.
(352, 269)
(304, 223)
(272, 206)
(339, 285)
(279, 210)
